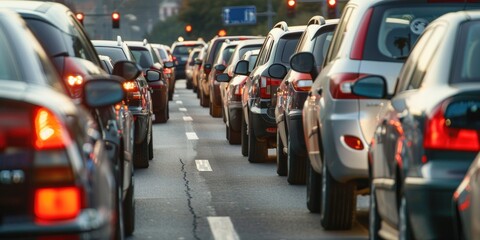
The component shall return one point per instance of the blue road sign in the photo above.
(239, 15)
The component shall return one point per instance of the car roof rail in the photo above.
(145, 42)
(316, 20)
(119, 40)
(282, 25)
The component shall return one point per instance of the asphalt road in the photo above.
(225, 196)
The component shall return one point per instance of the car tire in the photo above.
(189, 84)
(140, 153)
(119, 224)
(257, 148)
(314, 190)
(282, 168)
(162, 117)
(150, 146)
(233, 136)
(215, 112)
(204, 100)
(338, 202)
(129, 210)
(404, 228)
(374, 217)
(297, 166)
(244, 137)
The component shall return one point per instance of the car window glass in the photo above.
(184, 49)
(143, 56)
(116, 54)
(262, 56)
(8, 68)
(467, 64)
(79, 44)
(286, 47)
(163, 53)
(251, 62)
(155, 57)
(303, 40)
(320, 48)
(226, 55)
(245, 49)
(49, 71)
(343, 26)
(48, 35)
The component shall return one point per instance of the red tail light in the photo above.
(361, 38)
(167, 70)
(340, 85)
(266, 85)
(74, 80)
(49, 131)
(237, 92)
(438, 136)
(53, 204)
(132, 88)
(353, 142)
(302, 85)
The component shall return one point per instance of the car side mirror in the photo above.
(277, 71)
(304, 62)
(168, 64)
(152, 76)
(126, 69)
(220, 67)
(241, 68)
(223, 77)
(102, 92)
(371, 87)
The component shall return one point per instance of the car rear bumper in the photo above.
(159, 99)
(261, 121)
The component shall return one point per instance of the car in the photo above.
(427, 135)
(260, 90)
(196, 70)
(292, 155)
(232, 101)
(190, 66)
(180, 52)
(107, 63)
(143, 52)
(338, 124)
(168, 72)
(219, 65)
(51, 151)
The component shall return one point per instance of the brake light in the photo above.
(266, 85)
(438, 136)
(49, 131)
(353, 142)
(361, 37)
(302, 85)
(167, 70)
(74, 80)
(341, 84)
(132, 88)
(51, 204)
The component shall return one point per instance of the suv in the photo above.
(180, 52)
(371, 38)
(261, 87)
(147, 59)
(292, 92)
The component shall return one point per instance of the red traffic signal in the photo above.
(115, 20)
(332, 3)
(80, 16)
(222, 33)
(188, 28)
(331, 9)
(291, 4)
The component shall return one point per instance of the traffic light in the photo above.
(291, 4)
(331, 9)
(222, 33)
(80, 16)
(115, 20)
(188, 28)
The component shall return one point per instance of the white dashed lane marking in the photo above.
(191, 136)
(175, 95)
(179, 102)
(222, 228)
(187, 119)
(203, 165)
(182, 109)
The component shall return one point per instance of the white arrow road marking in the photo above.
(182, 109)
(191, 136)
(179, 102)
(222, 228)
(203, 165)
(187, 119)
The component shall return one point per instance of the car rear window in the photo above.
(143, 57)
(8, 66)
(466, 66)
(185, 49)
(286, 47)
(116, 54)
(49, 37)
(226, 55)
(395, 28)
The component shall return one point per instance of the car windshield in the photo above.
(116, 54)
(184, 49)
(466, 66)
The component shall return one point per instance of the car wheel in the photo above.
(281, 158)
(244, 137)
(374, 217)
(141, 154)
(314, 190)
(233, 136)
(216, 112)
(338, 202)
(297, 167)
(257, 148)
(189, 84)
(404, 229)
(204, 100)
(119, 225)
(129, 210)
(150, 146)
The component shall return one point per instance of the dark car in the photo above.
(54, 165)
(427, 135)
(145, 57)
(180, 52)
(168, 72)
(292, 155)
(260, 90)
(190, 66)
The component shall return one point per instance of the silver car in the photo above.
(372, 38)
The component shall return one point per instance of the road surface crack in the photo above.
(188, 192)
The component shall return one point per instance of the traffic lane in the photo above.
(177, 201)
